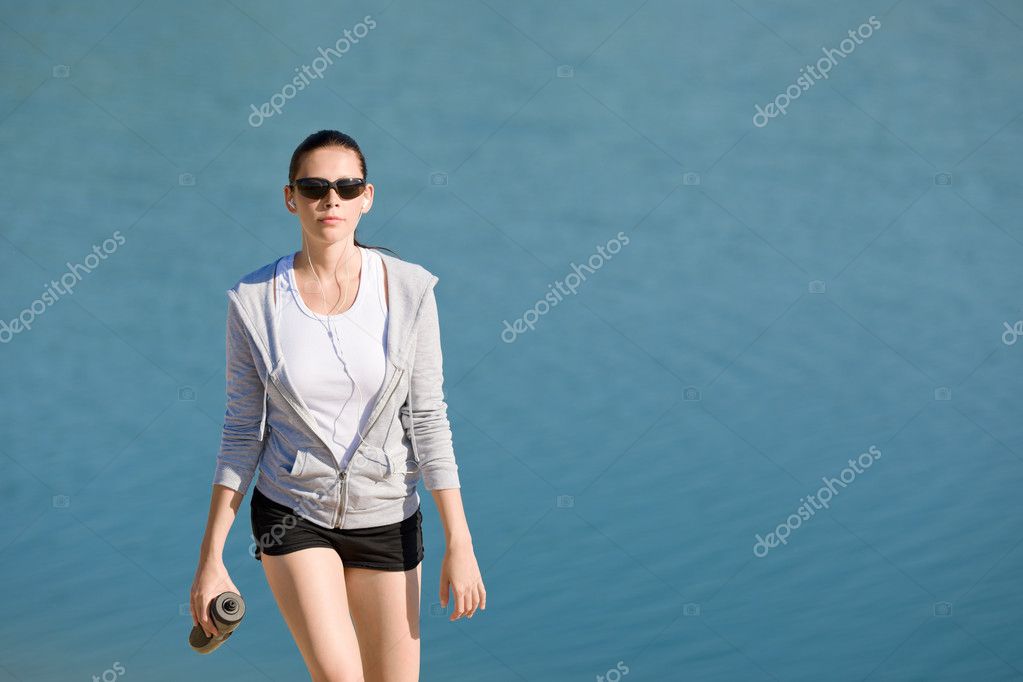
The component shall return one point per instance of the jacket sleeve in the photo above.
(428, 427)
(241, 443)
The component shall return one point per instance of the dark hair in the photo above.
(329, 138)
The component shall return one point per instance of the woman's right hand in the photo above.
(211, 579)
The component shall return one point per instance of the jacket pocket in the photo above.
(312, 466)
(298, 466)
(376, 478)
(283, 460)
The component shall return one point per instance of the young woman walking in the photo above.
(334, 394)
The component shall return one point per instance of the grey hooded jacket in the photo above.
(268, 427)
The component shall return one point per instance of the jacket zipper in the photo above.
(343, 507)
(342, 474)
(339, 515)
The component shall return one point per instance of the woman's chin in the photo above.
(332, 232)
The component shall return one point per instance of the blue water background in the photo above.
(771, 301)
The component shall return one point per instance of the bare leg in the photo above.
(309, 586)
(385, 610)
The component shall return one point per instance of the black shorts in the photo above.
(277, 530)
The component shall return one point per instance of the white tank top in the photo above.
(323, 370)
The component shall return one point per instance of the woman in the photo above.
(334, 393)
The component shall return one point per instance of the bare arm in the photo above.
(460, 571)
(224, 504)
(452, 516)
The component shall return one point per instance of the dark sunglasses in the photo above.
(317, 188)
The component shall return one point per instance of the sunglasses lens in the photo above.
(351, 191)
(312, 188)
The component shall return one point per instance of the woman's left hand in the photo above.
(461, 573)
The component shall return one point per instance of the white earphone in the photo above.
(335, 338)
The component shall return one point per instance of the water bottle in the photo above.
(226, 612)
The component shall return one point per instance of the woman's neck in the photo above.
(335, 261)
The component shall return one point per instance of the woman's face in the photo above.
(331, 163)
